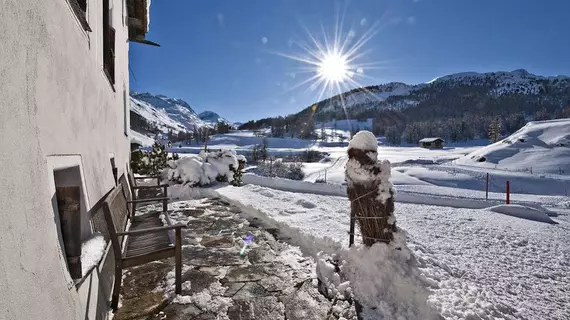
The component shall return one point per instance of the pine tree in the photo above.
(494, 130)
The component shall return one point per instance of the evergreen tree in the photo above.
(494, 131)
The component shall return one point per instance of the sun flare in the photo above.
(334, 68)
(332, 61)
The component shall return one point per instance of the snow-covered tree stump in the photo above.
(370, 191)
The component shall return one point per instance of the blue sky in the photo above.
(220, 55)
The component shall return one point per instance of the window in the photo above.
(108, 42)
(80, 9)
(72, 214)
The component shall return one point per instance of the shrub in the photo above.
(312, 155)
(206, 168)
(293, 170)
(152, 162)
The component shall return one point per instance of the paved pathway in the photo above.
(271, 280)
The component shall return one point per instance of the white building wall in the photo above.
(54, 101)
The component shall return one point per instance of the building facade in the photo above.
(64, 121)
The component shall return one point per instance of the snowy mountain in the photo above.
(212, 118)
(457, 107)
(166, 113)
(542, 146)
(468, 85)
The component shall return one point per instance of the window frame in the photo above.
(81, 14)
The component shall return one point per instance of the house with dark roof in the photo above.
(432, 143)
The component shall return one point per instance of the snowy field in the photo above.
(481, 264)
(482, 259)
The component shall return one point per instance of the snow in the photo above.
(523, 212)
(387, 279)
(477, 264)
(364, 140)
(141, 139)
(204, 169)
(428, 140)
(540, 146)
(480, 258)
(92, 251)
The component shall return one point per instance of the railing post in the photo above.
(508, 192)
(487, 188)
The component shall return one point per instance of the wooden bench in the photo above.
(143, 194)
(146, 240)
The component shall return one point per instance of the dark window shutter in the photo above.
(80, 10)
(82, 5)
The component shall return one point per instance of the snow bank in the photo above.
(296, 185)
(92, 251)
(543, 146)
(383, 278)
(204, 169)
(523, 212)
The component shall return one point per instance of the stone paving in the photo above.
(271, 280)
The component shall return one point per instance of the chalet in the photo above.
(65, 126)
(432, 143)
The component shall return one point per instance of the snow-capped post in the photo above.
(382, 275)
(370, 191)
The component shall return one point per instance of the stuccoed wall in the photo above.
(54, 100)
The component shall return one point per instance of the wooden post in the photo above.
(351, 231)
(508, 192)
(68, 205)
(178, 258)
(487, 188)
(325, 175)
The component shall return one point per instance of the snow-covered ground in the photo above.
(540, 146)
(481, 264)
(483, 259)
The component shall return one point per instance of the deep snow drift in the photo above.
(543, 146)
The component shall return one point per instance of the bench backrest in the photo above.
(127, 191)
(132, 181)
(116, 216)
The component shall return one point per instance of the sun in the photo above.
(333, 68)
(332, 60)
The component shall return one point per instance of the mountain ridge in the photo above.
(162, 113)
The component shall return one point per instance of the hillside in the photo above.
(543, 146)
(463, 89)
(158, 113)
(457, 107)
(212, 118)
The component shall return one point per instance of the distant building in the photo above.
(432, 143)
(350, 124)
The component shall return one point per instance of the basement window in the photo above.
(71, 212)
(80, 9)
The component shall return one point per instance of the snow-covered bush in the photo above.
(278, 168)
(204, 169)
(152, 162)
